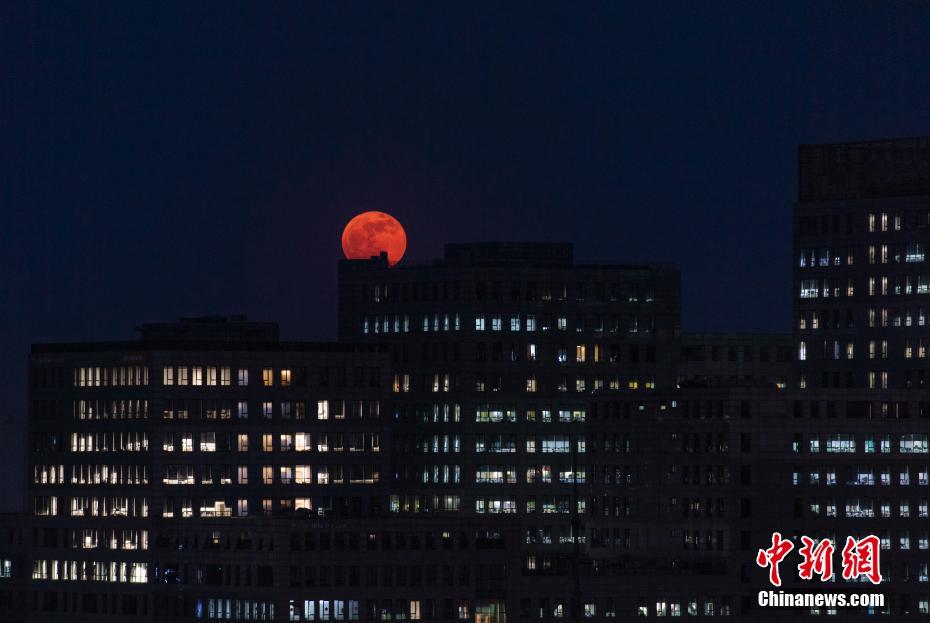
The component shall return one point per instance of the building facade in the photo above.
(14, 567)
(150, 459)
(500, 434)
(497, 350)
(861, 230)
(736, 360)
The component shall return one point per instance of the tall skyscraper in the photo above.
(861, 275)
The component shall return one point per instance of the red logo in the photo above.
(772, 556)
(860, 558)
(817, 559)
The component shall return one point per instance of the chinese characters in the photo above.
(860, 558)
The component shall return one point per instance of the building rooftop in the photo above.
(499, 255)
(209, 329)
(738, 338)
(864, 169)
(136, 346)
(207, 333)
(509, 254)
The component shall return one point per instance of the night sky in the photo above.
(160, 162)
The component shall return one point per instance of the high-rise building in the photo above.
(500, 434)
(495, 352)
(861, 276)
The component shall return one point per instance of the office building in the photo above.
(861, 230)
(500, 434)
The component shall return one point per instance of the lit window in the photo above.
(911, 444)
(303, 475)
(580, 353)
(841, 443)
(267, 377)
(809, 288)
(302, 442)
(208, 442)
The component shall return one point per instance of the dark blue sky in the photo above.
(158, 162)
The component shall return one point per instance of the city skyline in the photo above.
(528, 313)
(577, 455)
(139, 144)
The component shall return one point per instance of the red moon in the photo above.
(370, 233)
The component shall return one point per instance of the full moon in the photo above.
(370, 233)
